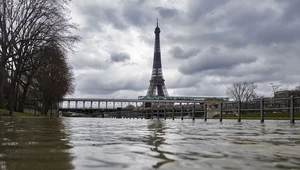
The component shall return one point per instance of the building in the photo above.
(287, 93)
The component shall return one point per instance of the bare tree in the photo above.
(242, 91)
(275, 88)
(25, 28)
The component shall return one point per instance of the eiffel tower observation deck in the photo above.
(157, 85)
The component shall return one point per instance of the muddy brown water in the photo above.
(102, 143)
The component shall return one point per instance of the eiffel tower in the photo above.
(157, 85)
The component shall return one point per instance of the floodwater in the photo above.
(95, 143)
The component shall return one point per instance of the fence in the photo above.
(264, 105)
(164, 111)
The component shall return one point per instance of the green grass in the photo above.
(5, 113)
(257, 115)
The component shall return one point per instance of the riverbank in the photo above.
(5, 113)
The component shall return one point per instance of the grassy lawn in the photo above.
(257, 115)
(5, 113)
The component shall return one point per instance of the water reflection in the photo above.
(86, 143)
(33, 144)
(156, 138)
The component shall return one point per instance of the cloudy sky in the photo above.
(205, 45)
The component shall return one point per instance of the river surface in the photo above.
(95, 143)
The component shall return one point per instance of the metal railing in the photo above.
(179, 110)
(264, 105)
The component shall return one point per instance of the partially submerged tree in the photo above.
(242, 91)
(26, 27)
(54, 80)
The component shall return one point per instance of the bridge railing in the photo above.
(82, 103)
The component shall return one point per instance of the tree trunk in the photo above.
(46, 107)
(2, 72)
(23, 97)
(17, 91)
(10, 105)
(25, 91)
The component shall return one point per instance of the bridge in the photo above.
(143, 108)
(124, 107)
(93, 103)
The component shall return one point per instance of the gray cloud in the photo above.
(119, 57)
(96, 16)
(291, 11)
(110, 16)
(104, 84)
(214, 60)
(166, 12)
(178, 53)
(87, 64)
(197, 9)
(239, 41)
(136, 14)
(88, 58)
(240, 26)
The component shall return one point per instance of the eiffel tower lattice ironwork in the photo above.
(157, 85)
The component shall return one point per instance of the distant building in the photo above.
(287, 93)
